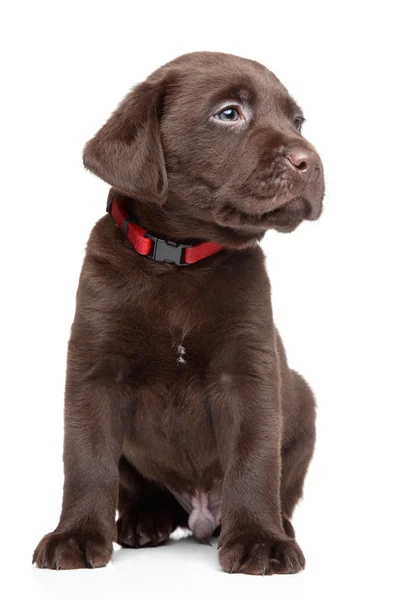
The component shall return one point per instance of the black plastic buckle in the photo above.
(167, 251)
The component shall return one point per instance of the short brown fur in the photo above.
(137, 421)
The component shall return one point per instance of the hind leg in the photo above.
(298, 447)
(148, 513)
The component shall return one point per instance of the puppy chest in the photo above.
(155, 356)
(169, 427)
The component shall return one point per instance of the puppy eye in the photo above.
(298, 123)
(228, 114)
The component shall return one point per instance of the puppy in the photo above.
(180, 408)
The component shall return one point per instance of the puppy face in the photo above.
(216, 138)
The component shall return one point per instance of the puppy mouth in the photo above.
(284, 218)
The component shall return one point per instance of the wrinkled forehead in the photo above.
(253, 87)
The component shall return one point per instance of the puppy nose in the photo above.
(305, 162)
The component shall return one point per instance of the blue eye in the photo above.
(228, 114)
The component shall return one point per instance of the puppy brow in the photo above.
(236, 93)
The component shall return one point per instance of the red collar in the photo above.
(157, 247)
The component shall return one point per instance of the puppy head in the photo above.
(217, 140)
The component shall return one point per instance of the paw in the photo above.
(141, 526)
(72, 550)
(260, 555)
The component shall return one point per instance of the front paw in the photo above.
(72, 550)
(260, 555)
(140, 526)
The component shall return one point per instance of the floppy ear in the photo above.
(127, 151)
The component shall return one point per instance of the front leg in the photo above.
(248, 424)
(92, 446)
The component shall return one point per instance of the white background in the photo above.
(65, 66)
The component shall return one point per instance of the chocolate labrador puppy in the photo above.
(180, 408)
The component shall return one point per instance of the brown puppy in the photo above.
(180, 408)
